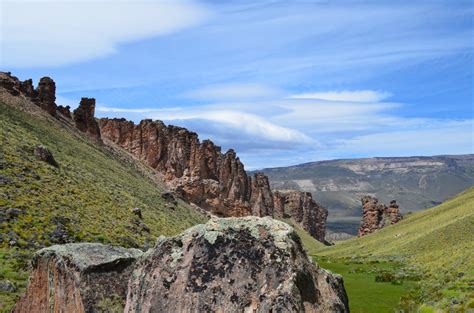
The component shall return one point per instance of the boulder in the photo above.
(246, 264)
(78, 277)
(44, 154)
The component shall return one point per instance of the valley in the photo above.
(416, 183)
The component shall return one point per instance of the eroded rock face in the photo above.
(43, 96)
(78, 277)
(233, 265)
(46, 95)
(376, 215)
(85, 120)
(201, 174)
(304, 210)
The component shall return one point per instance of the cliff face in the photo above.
(200, 173)
(376, 215)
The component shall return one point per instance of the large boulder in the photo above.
(78, 277)
(246, 264)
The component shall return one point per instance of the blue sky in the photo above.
(282, 82)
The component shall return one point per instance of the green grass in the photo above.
(93, 192)
(365, 294)
(438, 243)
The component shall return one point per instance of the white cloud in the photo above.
(247, 126)
(233, 92)
(349, 96)
(50, 33)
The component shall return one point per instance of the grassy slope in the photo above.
(439, 242)
(94, 188)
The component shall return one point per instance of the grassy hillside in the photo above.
(90, 196)
(437, 244)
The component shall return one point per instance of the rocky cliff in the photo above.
(376, 215)
(197, 171)
(202, 174)
(226, 265)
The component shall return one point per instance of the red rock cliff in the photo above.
(202, 174)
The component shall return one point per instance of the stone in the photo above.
(137, 212)
(44, 154)
(46, 95)
(65, 111)
(10, 83)
(7, 286)
(169, 197)
(84, 119)
(12, 213)
(78, 277)
(246, 264)
(376, 215)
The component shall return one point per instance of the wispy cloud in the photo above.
(233, 92)
(349, 96)
(51, 33)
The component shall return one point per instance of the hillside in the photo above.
(437, 243)
(415, 182)
(90, 197)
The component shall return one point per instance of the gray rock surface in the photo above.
(78, 277)
(246, 264)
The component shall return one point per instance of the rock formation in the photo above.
(393, 212)
(46, 95)
(79, 277)
(85, 120)
(246, 264)
(214, 181)
(226, 265)
(197, 171)
(376, 215)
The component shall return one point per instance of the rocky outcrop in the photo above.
(85, 120)
(393, 212)
(201, 174)
(46, 95)
(304, 210)
(233, 265)
(376, 215)
(80, 277)
(246, 264)
(197, 171)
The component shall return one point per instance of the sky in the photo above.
(281, 82)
